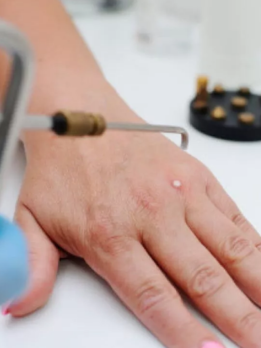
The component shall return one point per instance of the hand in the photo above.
(116, 202)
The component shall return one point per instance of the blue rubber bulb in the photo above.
(14, 262)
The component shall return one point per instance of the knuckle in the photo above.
(98, 231)
(239, 219)
(236, 249)
(250, 322)
(151, 295)
(258, 246)
(205, 282)
(103, 238)
(113, 245)
(117, 245)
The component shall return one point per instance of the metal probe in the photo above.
(87, 124)
(152, 128)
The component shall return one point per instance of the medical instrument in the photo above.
(71, 123)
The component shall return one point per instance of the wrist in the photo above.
(101, 98)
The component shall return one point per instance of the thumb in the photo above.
(44, 260)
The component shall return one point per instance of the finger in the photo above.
(227, 206)
(142, 286)
(44, 259)
(62, 254)
(234, 249)
(190, 265)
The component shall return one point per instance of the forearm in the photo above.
(67, 75)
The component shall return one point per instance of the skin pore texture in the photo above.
(128, 204)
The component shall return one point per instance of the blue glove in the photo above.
(14, 263)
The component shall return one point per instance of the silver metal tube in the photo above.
(152, 128)
(37, 123)
(41, 122)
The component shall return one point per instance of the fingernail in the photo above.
(212, 345)
(6, 308)
(5, 311)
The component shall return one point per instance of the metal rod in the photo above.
(41, 122)
(151, 128)
(37, 123)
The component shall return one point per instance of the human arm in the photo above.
(112, 202)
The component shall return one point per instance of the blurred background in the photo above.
(229, 49)
(162, 26)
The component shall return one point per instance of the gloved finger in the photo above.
(14, 263)
(44, 260)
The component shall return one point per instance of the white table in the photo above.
(83, 311)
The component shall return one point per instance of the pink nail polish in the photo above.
(212, 345)
(6, 308)
(5, 311)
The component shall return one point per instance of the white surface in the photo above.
(230, 42)
(83, 311)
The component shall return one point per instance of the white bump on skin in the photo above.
(177, 183)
